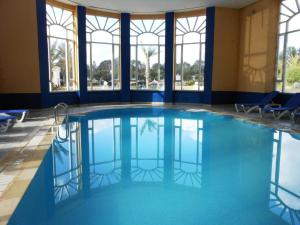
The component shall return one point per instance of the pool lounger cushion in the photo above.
(16, 112)
(287, 109)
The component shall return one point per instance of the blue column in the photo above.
(169, 57)
(81, 13)
(209, 54)
(125, 56)
(43, 50)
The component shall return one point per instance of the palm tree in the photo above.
(149, 52)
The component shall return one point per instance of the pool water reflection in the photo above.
(160, 166)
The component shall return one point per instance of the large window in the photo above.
(103, 52)
(61, 49)
(288, 53)
(147, 41)
(190, 53)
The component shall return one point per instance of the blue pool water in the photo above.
(154, 166)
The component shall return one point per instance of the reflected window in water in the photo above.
(66, 152)
(105, 152)
(285, 185)
(147, 149)
(188, 152)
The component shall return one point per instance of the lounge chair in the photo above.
(249, 107)
(6, 121)
(20, 114)
(287, 109)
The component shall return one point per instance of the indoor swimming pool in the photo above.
(157, 166)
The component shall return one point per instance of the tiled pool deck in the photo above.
(23, 147)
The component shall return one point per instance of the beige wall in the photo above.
(226, 46)
(244, 47)
(19, 65)
(258, 41)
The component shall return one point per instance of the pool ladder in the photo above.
(65, 113)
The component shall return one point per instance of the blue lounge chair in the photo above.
(247, 108)
(6, 121)
(20, 114)
(287, 109)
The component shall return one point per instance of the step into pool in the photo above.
(156, 166)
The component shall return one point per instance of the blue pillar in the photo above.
(43, 50)
(125, 56)
(81, 13)
(169, 57)
(209, 54)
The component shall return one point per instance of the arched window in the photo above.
(288, 52)
(147, 41)
(103, 52)
(61, 49)
(189, 53)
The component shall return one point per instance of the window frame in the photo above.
(75, 67)
(179, 15)
(92, 12)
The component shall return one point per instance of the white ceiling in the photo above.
(157, 6)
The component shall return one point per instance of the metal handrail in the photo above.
(65, 108)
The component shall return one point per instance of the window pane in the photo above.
(191, 38)
(292, 77)
(101, 78)
(148, 61)
(178, 68)
(117, 82)
(88, 60)
(57, 53)
(133, 68)
(147, 40)
(191, 70)
(294, 23)
(161, 77)
(71, 81)
(101, 36)
(58, 31)
(280, 58)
